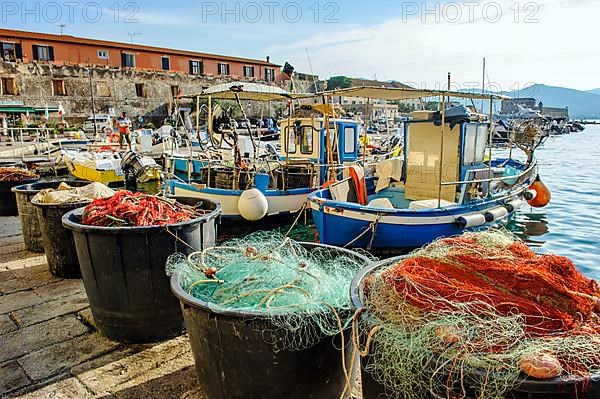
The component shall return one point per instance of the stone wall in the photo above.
(113, 88)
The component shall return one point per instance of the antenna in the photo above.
(61, 26)
(132, 35)
(311, 71)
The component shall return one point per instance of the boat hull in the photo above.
(280, 202)
(343, 224)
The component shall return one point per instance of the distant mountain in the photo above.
(582, 104)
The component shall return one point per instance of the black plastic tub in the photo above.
(123, 271)
(527, 389)
(234, 361)
(57, 241)
(8, 200)
(27, 213)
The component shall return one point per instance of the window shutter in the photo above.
(191, 69)
(35, 52)
(50, 53)
(123, 60)
(200, 68)
(18, 51)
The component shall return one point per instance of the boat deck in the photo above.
(51, 349)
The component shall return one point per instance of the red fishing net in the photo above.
(136, 209)
(547, 290)
(16, 174)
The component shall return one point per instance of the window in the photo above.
(8, 86)
(349, 140)
(128, 60)
(291, 140)
(103, 54)
(474, 143)
(269, 74)
(140, 90)
(58, 87)
(175, 91)
(248, 71)
(223, 69)
(43, 53)
(165, 63)
(196, 67)
(306, 140)
(11, 51)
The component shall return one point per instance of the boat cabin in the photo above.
(304, 141)
(455, 154)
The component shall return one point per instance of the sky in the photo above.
(524, 42)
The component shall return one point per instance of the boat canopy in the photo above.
(247, 91)
(396, 93)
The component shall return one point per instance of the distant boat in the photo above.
(105, 166)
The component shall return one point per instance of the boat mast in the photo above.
(483, 84)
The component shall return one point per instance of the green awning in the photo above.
(24, 110)
(17, 110)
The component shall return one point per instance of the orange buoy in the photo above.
(542, 194)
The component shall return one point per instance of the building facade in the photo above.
(43, 70)
(20, 46)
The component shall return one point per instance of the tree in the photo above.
(406, 108)
(339, 82)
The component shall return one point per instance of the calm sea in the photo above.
(570, 224)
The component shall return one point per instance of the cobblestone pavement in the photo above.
(49, 347)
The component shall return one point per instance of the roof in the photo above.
(14, 34)
(376, 83)
(385, 93)
(248, 91)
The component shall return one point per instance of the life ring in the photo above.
(114, 138)
(357, 175)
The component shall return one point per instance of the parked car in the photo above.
(102, 121)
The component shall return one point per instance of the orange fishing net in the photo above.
(136, 209)
(547, 290)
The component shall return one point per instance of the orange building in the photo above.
(62, 49)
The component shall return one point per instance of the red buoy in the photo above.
(543, 194)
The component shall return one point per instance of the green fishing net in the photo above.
(301, 292)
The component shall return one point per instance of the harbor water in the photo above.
(569, 225)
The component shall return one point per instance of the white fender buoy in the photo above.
(466, 221)
(495, 214)
(253, 205)
(514, 205)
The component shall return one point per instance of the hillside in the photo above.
(582, 104)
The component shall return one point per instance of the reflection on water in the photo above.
(569, 225)
(528, 226)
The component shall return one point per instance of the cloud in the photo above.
(535, 42)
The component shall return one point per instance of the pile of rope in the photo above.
(476, 315)
(16, 174)
(127, 209)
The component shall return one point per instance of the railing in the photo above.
(489, 180)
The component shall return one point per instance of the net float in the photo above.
(448, 334)
(542, 194)
(541, 366)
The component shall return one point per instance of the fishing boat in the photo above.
(252, 184)
(446, 181)
(108, 166)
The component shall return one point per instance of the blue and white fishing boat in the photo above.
(441, 186)
(251, 182)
